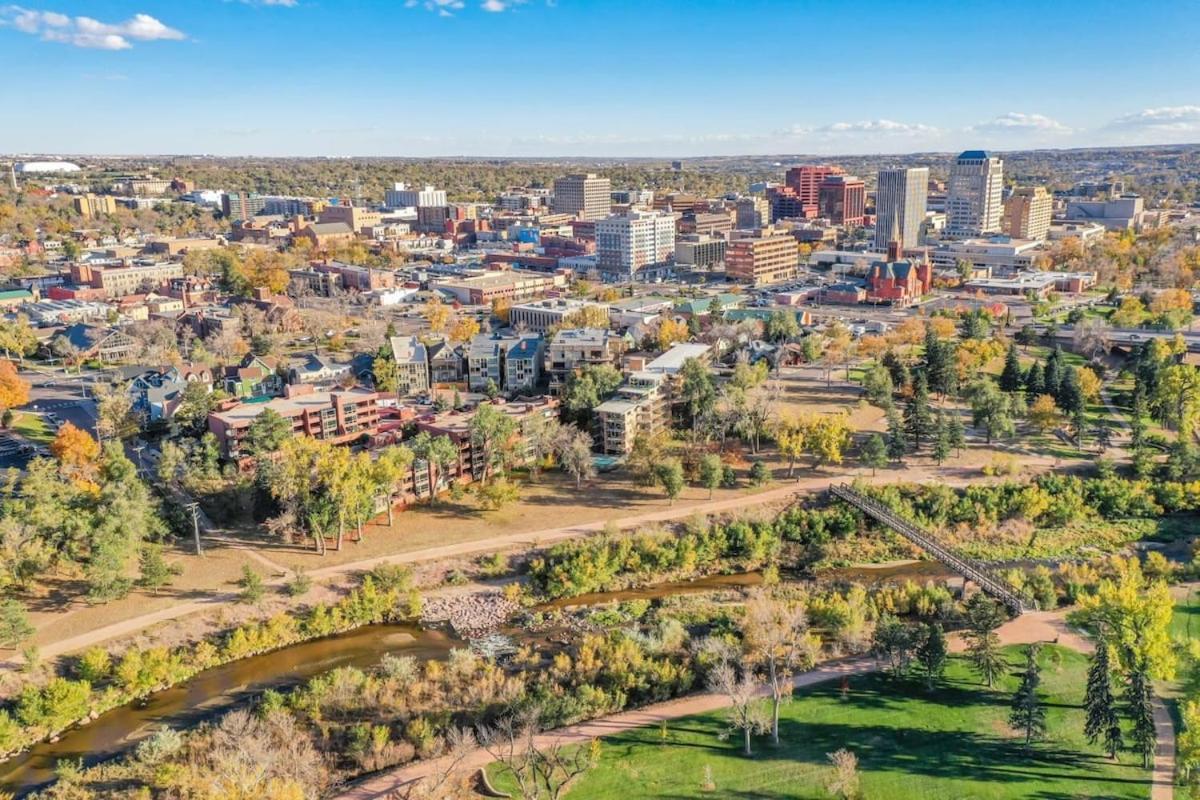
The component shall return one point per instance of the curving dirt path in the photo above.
(1042, 626)
(953, 475)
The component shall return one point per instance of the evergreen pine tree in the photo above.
(917, 417)
(941, 438)
(984, 616)
(931, 654)
(1139, 704)
(956, 432)
(1103, 723)
(1034, 385)
(897, 443)
(1028, 715)
(1052, 372)
(1079, 423)
(1137, 419)
(1069, 395)
(1011, 379)
(897, 369)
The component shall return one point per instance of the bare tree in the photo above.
(541, 773)
(775, 633)
(1093, 337)
(446, 779)
(746, 713)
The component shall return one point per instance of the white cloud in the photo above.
(52, 26)
(443, 8)
(1174, 119)
(1018, 122)
(495, 6)
(869, 127)
(283, 3)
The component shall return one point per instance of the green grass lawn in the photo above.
(953, 742)
(33, 427)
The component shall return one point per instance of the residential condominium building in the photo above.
(1027, 213)
(585, 195)
(766, 257)
(574, 348)
(510, 363)
(842, 199)
(401, 195)
(636, 246)
(642, 405)
(94, 205)
(338, 416)
(240, 205)
(412, 365)
(900, 195)
(542, 315)
(974, 196)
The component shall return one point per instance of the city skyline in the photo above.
(450, 77)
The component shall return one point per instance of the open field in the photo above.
(953, 742)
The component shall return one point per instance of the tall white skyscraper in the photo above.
(974, 198)
(900, 196)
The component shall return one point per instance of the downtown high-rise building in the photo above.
(974, 195)
(1027, 213)
(401, 195)
(585, 195)
(635, 246)
(900, 195)
(805, 180)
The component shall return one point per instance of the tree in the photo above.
(941, 438)
(492, 433)
(893, 641)
(873, 452)
(918, 419)
(464, 329)
(746, 713)
(498, 493)
(1044, 414)
(671, 332)
(878, 385)
(669, 475)
(436, 313)
(781, 326)
(541, 772)
(115, 418)
(76, 451)
(897, 440)
(1028, 715)
(1132, 616)
(266, 433)
(14, 390)
(696, 390)
(955, 432)
(251, 585)
(775, 634)
(759, 474)
(198, 401)
(1012, 378)
(541, 437)
(991, 409)
(931, 654)
(575, 455)
(1131, 314)
(711, 470)
(387, 373)
(983, 617)
(156, 571)
(1139, 706)
(1034, 383)
(1103, 723)
(843, 782)
(588, 388)
(14, 623)
(392, 469)
(791, 439)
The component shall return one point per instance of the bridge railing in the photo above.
(924, 540)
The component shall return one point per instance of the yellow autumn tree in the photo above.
(671, 331)
(14, 390)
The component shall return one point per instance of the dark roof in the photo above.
(981, 154)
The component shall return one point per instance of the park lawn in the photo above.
(33, 427)
(953, 742)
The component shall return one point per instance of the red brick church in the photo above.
(896, 281)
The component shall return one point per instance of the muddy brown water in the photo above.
(221, 689)
(215, 691)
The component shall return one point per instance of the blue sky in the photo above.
(593, 77)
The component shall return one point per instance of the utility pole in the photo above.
(194, 507)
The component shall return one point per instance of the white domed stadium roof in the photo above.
(47, 166)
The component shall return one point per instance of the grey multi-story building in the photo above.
(900, 196)
(700, 251)
(753, 212)
(584, 194)
(412, 363)
(575, 348)
(974, 195)
(511, 363)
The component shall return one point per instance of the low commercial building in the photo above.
(700, 251)
(1039, 284)
(1116, 214)
(514, 285)
(996, 254)
(340, 416)
(117, 281)
(542, 315)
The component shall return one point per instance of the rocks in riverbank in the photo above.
(470, 615)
